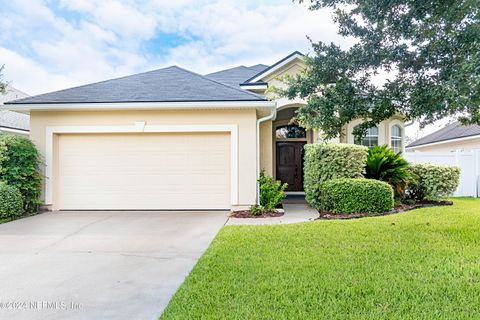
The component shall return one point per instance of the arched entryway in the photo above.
(289, 141)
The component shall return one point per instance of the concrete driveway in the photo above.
(99, 265)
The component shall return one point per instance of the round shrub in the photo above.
(19, 167)
(347, 195)
(11, 202)
(434, 180)
(325, 161)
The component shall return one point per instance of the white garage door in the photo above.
(144, 171)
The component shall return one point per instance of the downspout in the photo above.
(271, 116)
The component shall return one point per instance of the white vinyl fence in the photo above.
(468, 161)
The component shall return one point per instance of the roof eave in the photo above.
(14, 130)
(247, 104)
(254, 86)
(428, 144)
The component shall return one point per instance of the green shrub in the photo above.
(257, 210)
(347, 195)
(325, 161)
(434, 181)
(19, 167)
(385, 165)
(271, 192)
(11, 202)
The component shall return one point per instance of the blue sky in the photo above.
(53, 44)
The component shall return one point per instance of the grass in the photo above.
(422, 264)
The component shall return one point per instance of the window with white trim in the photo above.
(370, 139)
(396, 138)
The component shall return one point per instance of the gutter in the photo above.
(26, 107)
(271, 116)
(14, 130)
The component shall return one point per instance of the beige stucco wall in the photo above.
(266, 147)
(465, 145)
(245, 120)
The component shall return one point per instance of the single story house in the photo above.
(174, 139)
(13, 122)
(452, 137)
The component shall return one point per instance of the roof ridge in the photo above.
(220, 83)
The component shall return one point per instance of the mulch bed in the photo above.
(401, 208)
(248, 214)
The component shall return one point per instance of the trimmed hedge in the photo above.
(328, 161)
(11, 202)
(347, 195)
(434, 180)
(19, 167)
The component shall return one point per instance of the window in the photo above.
(290, 131)
(370, 139)
(396, 138)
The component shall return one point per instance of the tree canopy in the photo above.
(430, 50)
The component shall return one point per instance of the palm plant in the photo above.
(386, 165)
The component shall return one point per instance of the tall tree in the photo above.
(430, 50)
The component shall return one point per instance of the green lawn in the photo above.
(423, 264)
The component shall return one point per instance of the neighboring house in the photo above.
(13, 122)
(174, 139)
(452, 137)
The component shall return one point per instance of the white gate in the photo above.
(468, 161)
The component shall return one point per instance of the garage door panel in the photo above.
(144, 171)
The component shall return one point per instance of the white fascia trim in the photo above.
(274, 69)
(443, 142)
(254, 87)
(18, 131)
(140, 105)
(140, 127)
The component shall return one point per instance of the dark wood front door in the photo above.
(290, 164)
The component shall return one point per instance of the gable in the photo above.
(273, 70)
(291, 69)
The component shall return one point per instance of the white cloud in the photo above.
(31, 77)
(105, 39)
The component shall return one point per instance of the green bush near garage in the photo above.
(20, 168)
(326, 161)
(433, 181)
(346, 195)
(11, 202)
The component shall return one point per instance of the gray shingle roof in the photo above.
(236, 76)
(449, 132)
(172, 84)
(10, 119)
(14, 120)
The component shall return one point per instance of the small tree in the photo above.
(429, 48)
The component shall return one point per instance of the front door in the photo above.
(290, 164)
